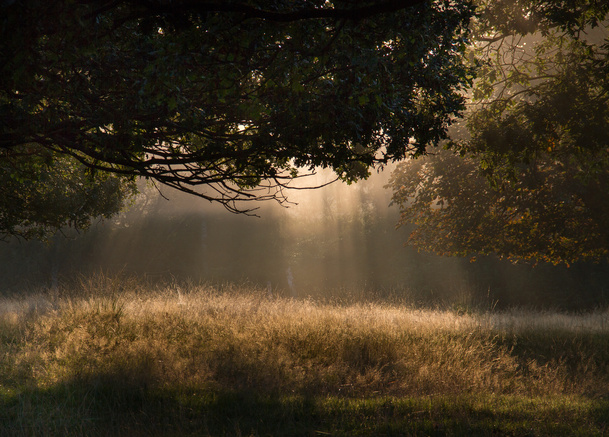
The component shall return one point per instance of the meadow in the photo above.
(112, 356)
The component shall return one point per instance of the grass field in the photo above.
(113, 357)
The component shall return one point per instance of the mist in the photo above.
(332, 242)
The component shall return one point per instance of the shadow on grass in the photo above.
(111, 405)
(583, 356)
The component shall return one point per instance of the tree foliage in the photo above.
(228, 99)
(41, 193)
(533, 176)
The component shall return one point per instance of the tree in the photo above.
(530, 176)
(41, 193)
(228, 100)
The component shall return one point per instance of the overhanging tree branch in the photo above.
(232, 99)
(163, 7)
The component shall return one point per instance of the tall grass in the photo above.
(114, 355)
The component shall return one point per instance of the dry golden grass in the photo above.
(240, 339)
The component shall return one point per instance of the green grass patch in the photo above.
(102, 409)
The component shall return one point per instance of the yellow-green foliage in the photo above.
(238, 339)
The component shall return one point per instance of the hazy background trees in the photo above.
(339, 241)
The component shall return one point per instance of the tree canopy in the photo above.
(38, 198)
(227, 100)
(527, 176)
